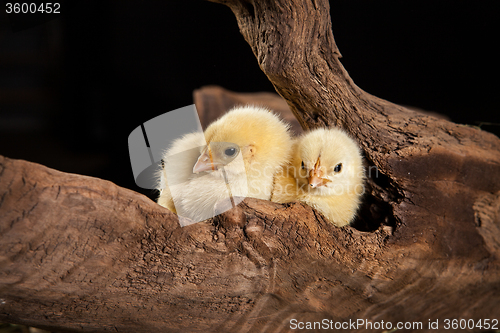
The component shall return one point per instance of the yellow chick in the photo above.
(183, 153)
(239, 156)
(326, 173)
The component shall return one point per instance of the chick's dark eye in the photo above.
(302, 165)
(338, 167)
(230, 151)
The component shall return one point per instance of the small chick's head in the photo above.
(329, 162)
(262, 138)
(216, 155)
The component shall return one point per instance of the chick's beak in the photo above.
(204, 162)
(314, 181)
(315, 178)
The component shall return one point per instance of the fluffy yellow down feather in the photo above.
(326, 172)
(244, 149)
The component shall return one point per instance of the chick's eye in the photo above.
(302, 165)
(338, 167)
(230, 151)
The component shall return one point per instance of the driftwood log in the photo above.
(79, 253)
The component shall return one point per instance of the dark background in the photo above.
(74, 87)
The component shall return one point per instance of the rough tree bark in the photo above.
(78, 253)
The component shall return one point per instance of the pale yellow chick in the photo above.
(244, 150)
(326, 173)
(177, 165)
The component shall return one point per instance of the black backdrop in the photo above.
(73, 88)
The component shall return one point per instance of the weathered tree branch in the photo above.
(80, 253)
